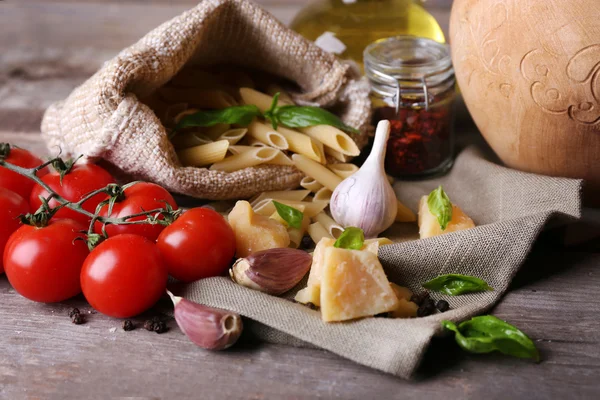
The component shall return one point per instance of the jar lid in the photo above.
(408, 64)
(408, 56)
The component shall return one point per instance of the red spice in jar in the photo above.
(420, 140)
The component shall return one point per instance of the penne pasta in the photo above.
(295, 195)
(334, 138)
(185, 140)
(260, 100)
(171, 112)
(343, 170)
(284, 96)
(337, 155)
(254, 142)
(323, 194)
(310, 183)
(213, 132)
(233, 135)
(245, 159)
(204, 155)
(280, 158)
(312, 208)
(316, 231)
(183, 114)
(212, 99)
(303, 144)
(267, 135)
(316, 171)
(382, 241)
(333, 228)
(405, 214)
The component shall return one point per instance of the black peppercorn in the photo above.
(77, 319)
(442, 305)
(128, 325)
(73, 312)
(419, 298)
(426, 308)
(155, 325)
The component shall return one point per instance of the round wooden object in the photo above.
(529, 71)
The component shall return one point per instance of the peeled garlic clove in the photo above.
(209, 328)
(366, 199)
(273, 271)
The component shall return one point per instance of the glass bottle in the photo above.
(346, 27)
(413, 86)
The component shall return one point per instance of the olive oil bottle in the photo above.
(346, 27)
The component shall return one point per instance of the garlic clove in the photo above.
(273, 271)
(366, 199)
(209, 328)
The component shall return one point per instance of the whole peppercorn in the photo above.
(128, 325)
(442, 305)
(77, 319)
(419, 298)
(426, 308)
(155, 325)
(73, 312)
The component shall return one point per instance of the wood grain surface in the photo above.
(49, 47)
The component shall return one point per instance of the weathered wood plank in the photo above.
(43, 354)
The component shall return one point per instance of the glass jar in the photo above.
(346, 27)
(413, 86)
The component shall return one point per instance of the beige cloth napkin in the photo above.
(510, 209)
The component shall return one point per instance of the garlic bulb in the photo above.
(366, 199)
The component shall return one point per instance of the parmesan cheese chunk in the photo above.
(354, 285)
(429, 225)
(255, 232)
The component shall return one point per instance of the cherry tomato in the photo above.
(124, 276)
(11, 206)
(199, 244)
(79, 181)
(17, 183)
(44, 264)
(140, 197)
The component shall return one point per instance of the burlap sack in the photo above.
(104, 117)
(510, 209)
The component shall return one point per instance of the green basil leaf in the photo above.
(292, 216)
(456, 284)
(241, 115)
(305, 116)
(440, 206)
(352, 238)
(487, 333)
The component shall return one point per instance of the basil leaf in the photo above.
(487, 333)
(440, 206)
(352, 238)
(241, 115)
(271, 113)
(456, 284)
(292, 216)
(305, 116)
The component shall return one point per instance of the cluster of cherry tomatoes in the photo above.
(127, 272)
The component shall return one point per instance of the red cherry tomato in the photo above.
(124, 276)
(17, 183)
(44, 264)
(79, 181)
(199, 244)
(11, 206)
(140, 197)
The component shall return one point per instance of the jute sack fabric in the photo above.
(510, 208)
(104, 118)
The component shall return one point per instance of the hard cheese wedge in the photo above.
(255, 232)
(354, 285)
(312, 292)
(405, 308)
(429, 225)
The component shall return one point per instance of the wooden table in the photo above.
(48, 47)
